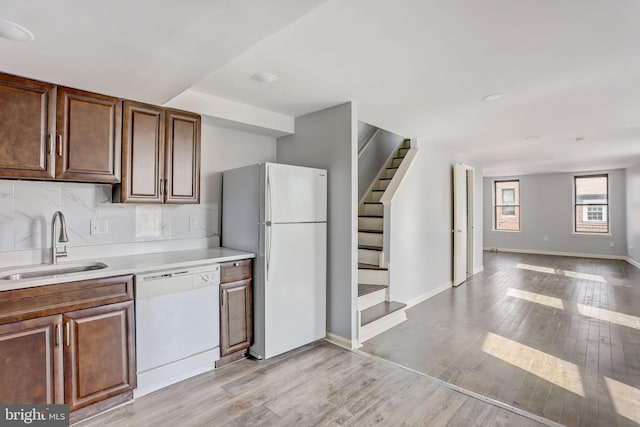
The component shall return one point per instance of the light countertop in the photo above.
(131, 264)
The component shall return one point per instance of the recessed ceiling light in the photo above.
(264, 77)
(493, 97)
(532, 138)
(12, 31)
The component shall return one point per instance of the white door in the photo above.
(295, 194)
(295, 288)
(459, 224)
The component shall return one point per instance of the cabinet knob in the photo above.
(236, 264)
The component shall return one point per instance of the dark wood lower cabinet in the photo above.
(235, 316)
(98, 354)
(51, 353)
(236, 310)
(31, 361)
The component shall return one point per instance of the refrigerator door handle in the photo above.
(269, 237)
(269, 195)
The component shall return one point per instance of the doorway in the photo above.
(463, 225)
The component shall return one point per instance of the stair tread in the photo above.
(378, 191)
(369, 230)
(378, 311)
(370, 248)
(365, 266)
(385, 179)
(396, 158)
(365, 289)
(372, 203)
(393, 167)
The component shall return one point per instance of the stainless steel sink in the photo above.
(50, 270)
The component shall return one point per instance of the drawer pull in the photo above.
(57, 334)
(68, 329)
(59, 145)
(236, 264)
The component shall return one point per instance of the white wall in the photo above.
(365, 131)
(374, 157)
(632, 176)
(546, 209)
(26, 207)
(420, 259)
(224, 149)
(328, 139)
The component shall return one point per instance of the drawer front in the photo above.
(29, 303)
(235, 270)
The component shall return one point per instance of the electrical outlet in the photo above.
(546, 238)
(99, 226)
(612, 244)
(193, 222)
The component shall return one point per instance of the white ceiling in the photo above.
(419, 68)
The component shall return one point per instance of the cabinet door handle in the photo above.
(224, 297)
(161, 186)
(68, 330)
(60, 145)
(57, 334)
(50, 150)
(165, 186)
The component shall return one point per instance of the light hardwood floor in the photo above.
(319, 384)
(555, 336)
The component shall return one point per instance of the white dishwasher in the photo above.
(177, 325)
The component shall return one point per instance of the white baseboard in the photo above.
(572, 254)
(427, 295)
(633, 262)
(341, 341)
(554, 253)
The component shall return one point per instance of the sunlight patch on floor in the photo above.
(609, 316)
(550, 368)
(626, 399)
(567, 273)
(537, 298)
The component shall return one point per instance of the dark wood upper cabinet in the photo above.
(27, 126)
(182, 168)
(88, 141)
(142, 154)
(55, 132)
(160, 156)
(49, 132)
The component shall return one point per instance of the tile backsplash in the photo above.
(26, 208)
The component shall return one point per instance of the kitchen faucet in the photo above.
(62, 238)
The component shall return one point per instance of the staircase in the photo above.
(376, 313)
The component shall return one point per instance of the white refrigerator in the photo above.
(279, 212)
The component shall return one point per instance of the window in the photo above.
(508, 200)
(507, 205)
(591, 204)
